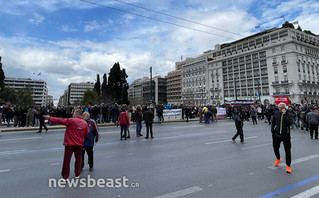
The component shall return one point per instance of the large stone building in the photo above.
(274, 62)
(194, 80)
(76, 91)
(135, 91)
(140, 91)
(39, 88)
(174, 85)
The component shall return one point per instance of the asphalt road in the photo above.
(183, 160)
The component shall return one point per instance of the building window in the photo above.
(285, 78)
(273, 50)
(283, 58)
(275, 70)
(299, 76)
(284, 68)
(298, 67)
(274, 60)
(287, 90)
(276, 79)
(282, 48)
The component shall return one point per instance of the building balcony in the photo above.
(284, 62)
(283, 93)
(214, 97)
(276, 83)
(286, 82)
(301, 82)
(274, 63)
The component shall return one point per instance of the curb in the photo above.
(14, 129)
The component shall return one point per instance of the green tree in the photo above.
(2, 77)
(20, 97)
(97, 86)
(9, 95)
(299, 28)
(106, 96)
(89, 98)
(25, 97)
(117, 84)
(288, 25)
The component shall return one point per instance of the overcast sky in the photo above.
(72, 40)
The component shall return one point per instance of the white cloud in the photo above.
(66, 28)
(94, 26)
(37, 19)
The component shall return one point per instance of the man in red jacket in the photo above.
(76, 130)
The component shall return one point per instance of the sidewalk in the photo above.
(4, 128)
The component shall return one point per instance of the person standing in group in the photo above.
(280, 129)
(138, 117)
(148, 117)
(313, 122)
(76, 130)
(239, 126)
(30, 117)
(187, 112)
(89, 140)
(124, 122)
(208, 114)
(253, 114)
(214, 112)
(42, 112)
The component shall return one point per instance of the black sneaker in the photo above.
(128, 137)
(91, 169)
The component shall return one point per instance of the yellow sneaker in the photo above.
(277, 162)
(288, 169)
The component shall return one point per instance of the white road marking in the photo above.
(179, 127)
(296, 161)
(6, 170)
(223, 141)
(17, 169)
(13, 151)
(107, 157)
(181, 193)
(250, 147)
(54, 164)
(308, 193)
(110, 132)
(30, 138)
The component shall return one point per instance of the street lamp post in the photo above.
(151, 85)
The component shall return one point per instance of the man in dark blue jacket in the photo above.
(239, 126)
(89, 139)
(280, 129)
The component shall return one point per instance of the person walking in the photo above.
(280, 129)
(124, 122)
(239, 126)
(76, 130)
(42, 112)
(313, 122)
(89, 140)
(253, 114)
(148, 118)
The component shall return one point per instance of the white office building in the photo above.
(39, 88)
(76, 91)
(279, 62)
